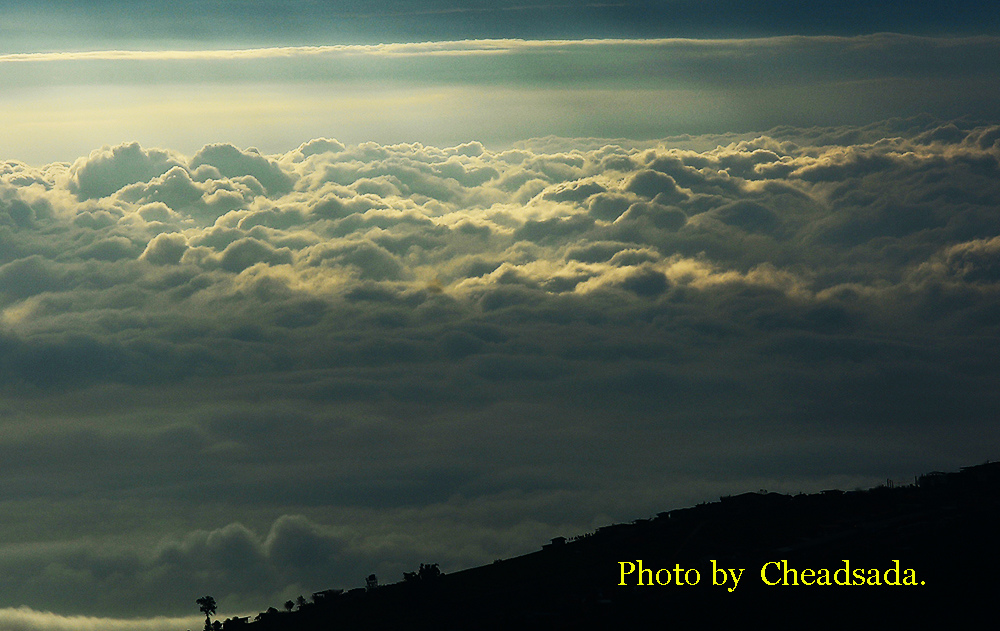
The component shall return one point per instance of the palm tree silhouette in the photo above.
(208, 607)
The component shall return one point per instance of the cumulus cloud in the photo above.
(165, 249)
(313, 224)
(285, 372)
(233, 163)
(243, 253)
(109, 169)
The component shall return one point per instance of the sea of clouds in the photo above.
(263, 375)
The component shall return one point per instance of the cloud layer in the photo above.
(54, 24)
(261, 375)
(498, 90)
(26, 619)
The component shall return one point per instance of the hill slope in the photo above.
(925, 554)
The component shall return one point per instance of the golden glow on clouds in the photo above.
(276, 118)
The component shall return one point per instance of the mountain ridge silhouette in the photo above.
(925, 554)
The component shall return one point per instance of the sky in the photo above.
(296, 292)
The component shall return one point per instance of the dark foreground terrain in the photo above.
(919, 556)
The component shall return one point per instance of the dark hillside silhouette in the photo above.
(883, 542)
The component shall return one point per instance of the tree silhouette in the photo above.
(289, 605)
(429, 572)
(426, 574)
(208, 607)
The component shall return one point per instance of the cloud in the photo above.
(28, 276)
(232, 562)
(259, 375)
(26, 619)
(649, 183)
(111, 168)
(232, 162)
(975, 261)
(370, 260)
(47, 23)
(646, 88)
(248, 251)
(165, 249)
(904, 55)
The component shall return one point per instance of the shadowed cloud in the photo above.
(263, 375)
